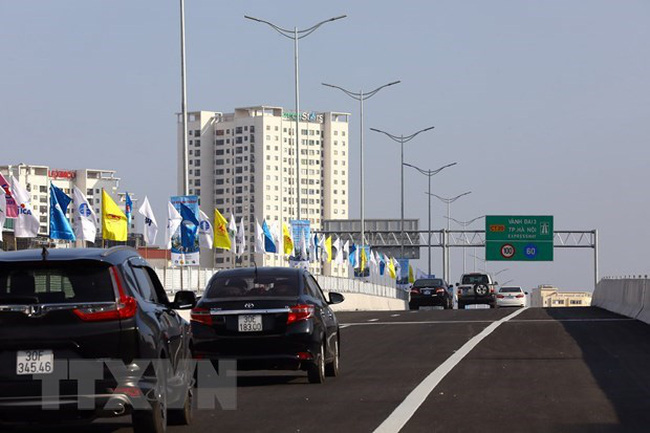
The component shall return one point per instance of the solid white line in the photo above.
(455, 322)
(429, 322)
(372, 320)
(414, 400)
(394, 315)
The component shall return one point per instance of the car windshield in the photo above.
(475, 279)
(252, 287)
(434, 282)
(510, 290)
(55, 282)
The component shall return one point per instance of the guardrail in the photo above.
(627, 296)
(173, 279)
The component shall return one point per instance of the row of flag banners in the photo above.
(188, 230)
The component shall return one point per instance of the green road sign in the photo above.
(519, 238)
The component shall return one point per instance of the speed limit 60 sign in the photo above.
(519, 238)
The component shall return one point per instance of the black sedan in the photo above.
(430, 292)
(268, 318)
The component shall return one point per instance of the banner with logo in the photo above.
(185, 243)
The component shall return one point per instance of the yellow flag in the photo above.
(288, 241)
(391, 268)
(328, 248)
(114, 223)
(411, 274)
(221, 237)
(363, 258)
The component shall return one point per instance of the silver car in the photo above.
(511, 296)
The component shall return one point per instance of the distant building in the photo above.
(36, 180)
(244, 163)
(546, 296)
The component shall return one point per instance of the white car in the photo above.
(511, 296)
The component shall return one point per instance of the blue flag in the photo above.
(382, 265)
(128, 209)
(269, 245)
(59, 225)
(318, 247)
(353, 257)
(189, 227)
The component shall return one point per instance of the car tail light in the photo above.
(300, 312)
(492, 290)
(201, 315)
(441, 290)
(459, 292)
(520, 296)
(131, 391)
(416, 291)
(124, 308)
(305, 356)
(500, 296)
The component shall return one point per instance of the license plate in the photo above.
(427, 292)
(34, 362)
(250, 323)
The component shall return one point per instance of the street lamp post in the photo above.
(186, 182)
(296, 34)
(464, 225)
(430, 174)
(361, 96)
(401, 139)
(448, 201)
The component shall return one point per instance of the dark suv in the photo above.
(88, 333)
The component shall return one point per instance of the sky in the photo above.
(544, 105)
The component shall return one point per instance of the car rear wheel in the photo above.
(316, 370)
(184, 415)
(480, 290)
(155, 419)
(332, 368)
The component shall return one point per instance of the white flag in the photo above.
(174, 220)
(374, 264)
(339, 251)
(206, 231)
(3, 210)
(241, 239)
(303, 247)
(312, 249)
(346, 250)
(232, 232)
(259, 238)
(85, 222)
(276, 232)
(26, 225)
(150, 224)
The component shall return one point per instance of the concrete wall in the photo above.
(627, 296)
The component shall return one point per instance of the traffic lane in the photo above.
(421, 316)
(552, 370)
(381, 364)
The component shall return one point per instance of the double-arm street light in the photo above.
(464, 225)
(401, 139)
(361, 96)
(296, 34)
(429, 174)
(448, 201)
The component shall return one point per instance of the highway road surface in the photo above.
(505, 370)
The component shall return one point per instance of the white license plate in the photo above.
(34, 362)
(427, 292)
(250, 323)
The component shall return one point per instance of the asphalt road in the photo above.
(545, 370)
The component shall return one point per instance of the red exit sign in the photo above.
(497, 228)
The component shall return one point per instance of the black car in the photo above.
(430, 292)
(268, 318)
(96, 325)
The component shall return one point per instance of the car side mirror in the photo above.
(335, 298)
(525, 293)
(496, 284)
(457, 284)
(184, 300)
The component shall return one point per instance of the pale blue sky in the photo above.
(543, 104)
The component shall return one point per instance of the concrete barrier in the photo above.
(628, 297)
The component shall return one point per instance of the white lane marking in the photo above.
(373, 320)
(414, 400)
(455, 322)
(343, 326)
(428, 322)
(394, 315)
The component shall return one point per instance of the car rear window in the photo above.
(434, 282)
(251, 287)
(475, 279)
(510, 290)
(55, 282)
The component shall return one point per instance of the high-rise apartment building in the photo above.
(244, 163)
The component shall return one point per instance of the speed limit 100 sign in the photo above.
(507, 251)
